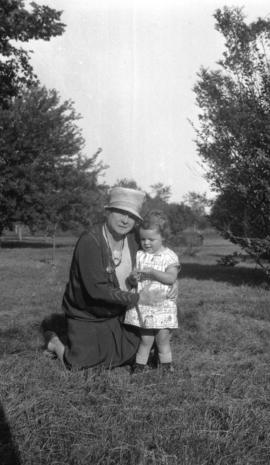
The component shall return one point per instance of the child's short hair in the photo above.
(157, 220)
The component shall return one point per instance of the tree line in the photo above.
(48, 184)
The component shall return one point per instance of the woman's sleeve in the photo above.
(95, 278)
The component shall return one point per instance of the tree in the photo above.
(45, 179)
(129, 183)
(20, 24)
(161, 191)
(158, 199)
(180, 217)
(233, 137)
(198, 204)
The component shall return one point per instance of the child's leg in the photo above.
(147, 339)
(164, 346)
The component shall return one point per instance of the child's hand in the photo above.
(148, 273)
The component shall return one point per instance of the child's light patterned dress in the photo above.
(163, 314)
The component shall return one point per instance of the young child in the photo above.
(157, 267)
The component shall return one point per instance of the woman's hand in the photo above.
(134, 278)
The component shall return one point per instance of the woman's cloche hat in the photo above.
(129, 200)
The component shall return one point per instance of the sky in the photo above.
(130, 66)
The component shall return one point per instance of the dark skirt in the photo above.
(108, 343)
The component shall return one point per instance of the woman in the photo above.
(97, 296)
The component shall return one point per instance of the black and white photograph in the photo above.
(135, 232)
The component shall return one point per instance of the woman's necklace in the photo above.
(115, 253)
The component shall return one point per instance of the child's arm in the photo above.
(165, 277)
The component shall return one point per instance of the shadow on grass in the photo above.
(9, 453)
(233, 275)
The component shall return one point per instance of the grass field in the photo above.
(213, 410)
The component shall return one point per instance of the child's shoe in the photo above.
(138, 368)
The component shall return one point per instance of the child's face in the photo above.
(151, 240)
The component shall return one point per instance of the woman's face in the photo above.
(120, 222)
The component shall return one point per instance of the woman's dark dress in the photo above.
(94, 307)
